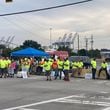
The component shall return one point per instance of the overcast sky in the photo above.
(86, 19)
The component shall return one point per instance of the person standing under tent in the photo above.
(47, 68)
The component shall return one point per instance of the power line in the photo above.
(48, 8)
(20, 26)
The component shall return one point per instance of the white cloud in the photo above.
(86, 19)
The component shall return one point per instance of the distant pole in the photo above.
(91, 42)
(50, 37)
(86, 39)
(73, 40)
(78, 42)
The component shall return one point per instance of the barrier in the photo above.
(88, 76)
(22, 74)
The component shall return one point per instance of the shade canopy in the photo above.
(29, 52)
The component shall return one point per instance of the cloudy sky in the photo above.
(92, 18)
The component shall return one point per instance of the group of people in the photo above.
(104, 66)
(59, 67)
(9, 67)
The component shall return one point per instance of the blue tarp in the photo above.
(29, 52)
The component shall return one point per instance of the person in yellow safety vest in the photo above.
(50, 60)
(60, 67)
(26, 65)
(41, 63)
(3, 67)
(74, 67)
(47, 68)
(66, 68)
(8, 61)
(94, 67)
(104, 68)
(80, 67)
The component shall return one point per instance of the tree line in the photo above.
(4, 51)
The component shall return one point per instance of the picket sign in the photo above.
(22, 74)
(88, 76)
(108, 69)
(53, 74)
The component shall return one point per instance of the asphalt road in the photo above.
(35, 93)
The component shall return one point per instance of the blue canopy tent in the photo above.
(29, 52)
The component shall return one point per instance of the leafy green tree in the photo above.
(31, 43)
(94, 53)
(16, 48)
(28, 43)
(6, 52)
(2, 46)
(83, 52)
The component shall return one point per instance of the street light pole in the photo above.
(78, 42)
(50, 37)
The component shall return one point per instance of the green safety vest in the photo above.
(94, 64)
(60, 64)
(104, 65)
(66, 65)
(3, 64)
(74, 65)
(80, 64)
(47, 65)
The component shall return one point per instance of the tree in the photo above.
(28, 43)
(7, 1)
(2, 46)
(6, 52)
(83, 52)
(31, 43)
(94, 53)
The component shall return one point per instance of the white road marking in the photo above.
(101, 82)
(27, 109)
(86, 102)
(103, 92)
(64, 100)
(108, 108)
(39, 103)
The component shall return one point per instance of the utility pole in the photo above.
(50, 37)
(86, 40)
(92, 41)
(73, 40)
(78, 42)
